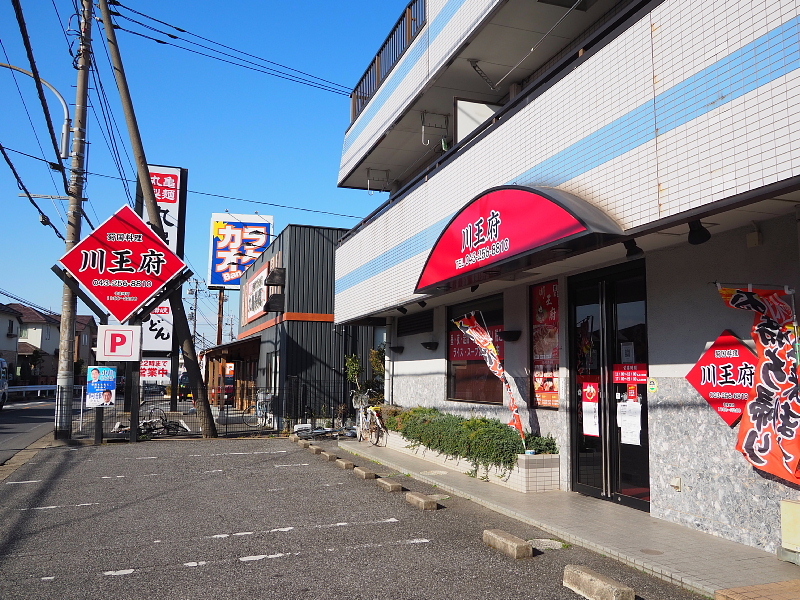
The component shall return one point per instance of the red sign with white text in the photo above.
(123, 263)
(494, 227)
(463, 348)
(633, 373)
(724, 376)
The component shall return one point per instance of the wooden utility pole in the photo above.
(181, 323)
(69, 304)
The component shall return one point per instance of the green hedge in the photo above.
(483, 442)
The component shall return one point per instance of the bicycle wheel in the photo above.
(250, 417)
(376, 436)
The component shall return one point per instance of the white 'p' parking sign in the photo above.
(119, 343)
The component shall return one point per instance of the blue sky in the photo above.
(240, 133)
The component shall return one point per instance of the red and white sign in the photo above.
(724, 376)
(119, 343)
(633, 373)
(123, 263)
(494, 227)
(155, 369)
(463, 348)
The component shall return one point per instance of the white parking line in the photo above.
(199, 563)
(47, 578)
(294, 465)
(61, 506)
(122, 572)
(31, 481)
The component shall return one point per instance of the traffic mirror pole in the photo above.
(176, 301)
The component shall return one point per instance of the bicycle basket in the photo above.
(360, 399)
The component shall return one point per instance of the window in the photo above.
(11, 326)
(421, 322)
(47, 332)
(85, 339)
(468, 377)
(23, 332)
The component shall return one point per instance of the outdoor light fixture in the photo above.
(633, 251)
(402, 309)
(397, 349)
(422, 303)
(509, 335)
(430, 345)
(697, 233)
(474, 288)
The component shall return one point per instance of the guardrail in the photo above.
(403, 33)
(31, 388)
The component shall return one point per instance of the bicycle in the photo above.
(259, 415)
(369, 424)
(156, 423)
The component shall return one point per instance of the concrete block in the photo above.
(315, 449)
(594, 586)
(344, 464)
(329, 456)
(508, 544)
(293, 438)
(389, 485)
(421, 501)
(364, 473)
(304, 443)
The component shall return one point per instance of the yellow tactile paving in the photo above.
(785, 590)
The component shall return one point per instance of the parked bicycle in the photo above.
(259, 415)
(155, 424)
(369, 424)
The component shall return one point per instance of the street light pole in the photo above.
(69, 305)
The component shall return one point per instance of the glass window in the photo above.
(23, 332)
(468, 377)
(11, 326)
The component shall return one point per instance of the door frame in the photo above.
(609, 435)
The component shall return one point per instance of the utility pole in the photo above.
(220, 315)
(181, 323)
(194, 292)
(69, 304)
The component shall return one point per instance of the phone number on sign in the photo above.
(484, 253)
(138, 283)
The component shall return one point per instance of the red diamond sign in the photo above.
(123, 263)
(724, 376)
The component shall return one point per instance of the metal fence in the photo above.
(237, 410)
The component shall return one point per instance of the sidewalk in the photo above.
(691, 559)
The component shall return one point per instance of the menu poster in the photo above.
(590, 403)
(545, 354)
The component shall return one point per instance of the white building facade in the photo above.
(581, 179)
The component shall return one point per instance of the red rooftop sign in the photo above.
(724, 376)
(123, 263)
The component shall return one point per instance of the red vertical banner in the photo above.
(768, 433)
(544, 335)
(469, 325)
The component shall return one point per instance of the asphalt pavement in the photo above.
(22, 423)
(258, 518)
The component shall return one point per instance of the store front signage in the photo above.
(123, 263)
(633, 374)
(462, 347)
(724, 376)
(236, 242)
(497, 225)
(545, 356)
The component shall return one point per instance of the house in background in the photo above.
(85, 345)
(38, 346)
(10, 322)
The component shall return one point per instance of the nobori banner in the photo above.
(236, 241)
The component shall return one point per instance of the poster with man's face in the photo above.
(101, 386)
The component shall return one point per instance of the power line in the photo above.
(282, 66)
(27, 302)
(265, 70)
(43, 218)
(324, 212)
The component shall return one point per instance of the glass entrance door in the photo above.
(609, 368)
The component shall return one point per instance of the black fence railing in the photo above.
(408, 26)
(236, 411)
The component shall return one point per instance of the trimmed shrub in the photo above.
(483, 442)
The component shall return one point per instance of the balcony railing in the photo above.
(408, 26)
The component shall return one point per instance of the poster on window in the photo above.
(545, 354)
(590, 403)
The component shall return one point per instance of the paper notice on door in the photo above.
(629, 421)
(591, 408)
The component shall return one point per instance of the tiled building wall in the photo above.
(694, 103)
(449, 23)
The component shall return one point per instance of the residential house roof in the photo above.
(32, 315)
